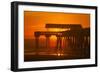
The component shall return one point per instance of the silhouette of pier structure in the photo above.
(74, 38)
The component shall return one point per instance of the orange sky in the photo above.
(36, 21)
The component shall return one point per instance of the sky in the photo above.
(36, 21)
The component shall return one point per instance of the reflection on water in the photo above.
(55, 54)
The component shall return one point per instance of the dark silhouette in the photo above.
(76, 40)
